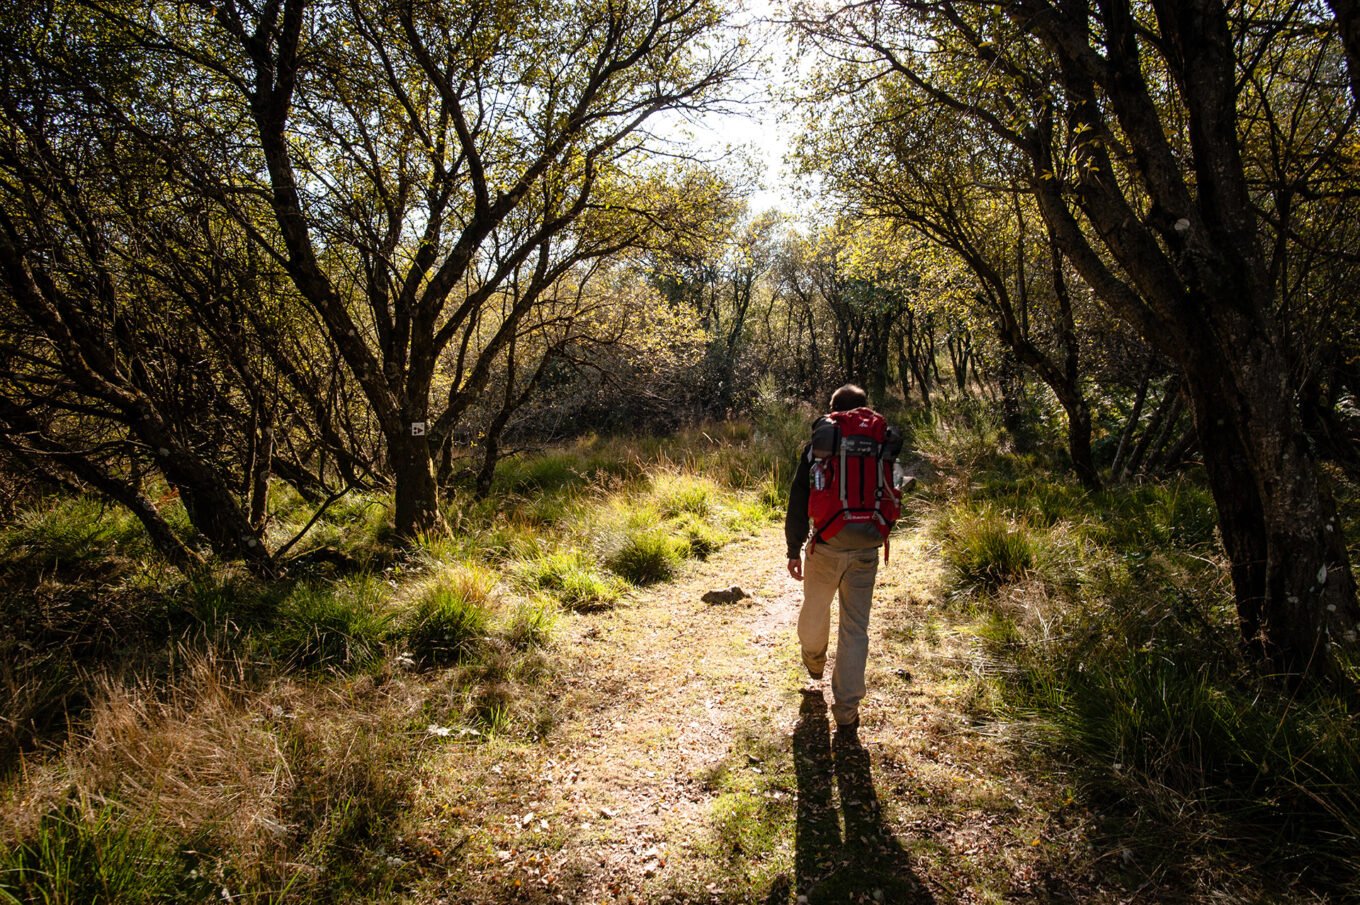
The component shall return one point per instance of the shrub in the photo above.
(782, 425)
(450, 619)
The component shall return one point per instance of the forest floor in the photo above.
(693, 761)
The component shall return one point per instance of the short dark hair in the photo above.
(848, 397)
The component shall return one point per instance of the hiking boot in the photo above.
(848, 733)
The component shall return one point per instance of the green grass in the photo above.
(749, 842)
(986, 549)
(679, 493)
(74, 858)
(74, 533)
(649, 555)
(573, 577)
(340, 625)
(451, 618)
(544, 473)
(313, 726)
(532, 623)
(702, 537)
(1171, 727)
(1121, 659)
(358, 526)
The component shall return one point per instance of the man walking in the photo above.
(841, 506)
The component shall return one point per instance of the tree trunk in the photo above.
(416, 503)
(1079, 441)
(1011, 379)
(1174, 455)
(960, 346)
(259, 476)
(1166, 413)
(213, 510)
(903, 369)
(308, 485)
(880, 331)
(1297, 602)
(491, 450)
(1347, 14)
(1131, 426)
(163, 537)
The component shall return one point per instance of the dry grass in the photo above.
(201, 762)
(260, 784)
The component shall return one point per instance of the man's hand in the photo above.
(796, 569)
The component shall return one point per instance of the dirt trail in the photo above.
(690, 766)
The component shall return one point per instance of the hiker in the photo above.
(841, 507)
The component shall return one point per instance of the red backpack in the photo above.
(851, 477)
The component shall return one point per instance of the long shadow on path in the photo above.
(831, 866)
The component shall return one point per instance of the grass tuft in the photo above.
(986, 549)
(703, 538)
(676, 493)
(532, 623)
(573, 577)
(451, 618)
(75, 533)
(339, 625)
(78, 854)
(649, 555)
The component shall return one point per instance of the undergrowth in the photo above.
(1113, 613)
(171, 740)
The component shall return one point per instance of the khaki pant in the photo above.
(852, 573)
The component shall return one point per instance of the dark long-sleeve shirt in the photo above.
(796, 519)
